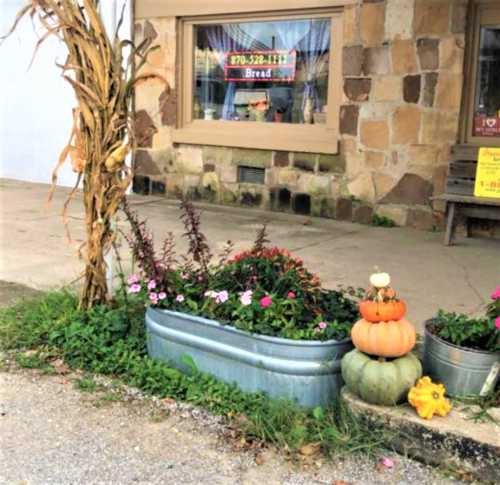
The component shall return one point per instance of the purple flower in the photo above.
(496, 294)
(162, 295)
(133, 278)
(135, 288)
(322, 325)
(151, 285)
(246, 297)
(179, 298)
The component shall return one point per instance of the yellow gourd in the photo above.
(428, 398)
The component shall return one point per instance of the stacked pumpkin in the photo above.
(382, 369)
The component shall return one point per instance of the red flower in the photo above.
(265, 301)
(291, 294)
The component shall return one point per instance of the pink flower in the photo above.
(135, 288)
(162, 295)
(496, 294)
(266, 301)
(222, 296)
(322, 325)
(153, 298)
(246, 297)
(151, 285)
(133, 278)
(291, 294)
(179, 298)
(497, 322)
(386, 462)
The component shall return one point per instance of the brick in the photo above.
(372, 23)
(406, 125)
(375, 134)
(432, 17)
(404, 58)
(428, 54)
(386, 88)
(357, 89)
(349, 115)
(411, 88)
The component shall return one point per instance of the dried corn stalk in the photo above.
(103, 131)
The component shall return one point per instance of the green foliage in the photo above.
(86, 384)
(111, 341)
(460, 329)
(382, 221)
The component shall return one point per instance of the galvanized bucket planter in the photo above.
(307, 372)
(464, 372)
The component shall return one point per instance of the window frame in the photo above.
(483, 13)
(313, 138)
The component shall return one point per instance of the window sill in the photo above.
(257, 135)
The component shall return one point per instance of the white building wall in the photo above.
(36, 103)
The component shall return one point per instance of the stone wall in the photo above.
(403, 63)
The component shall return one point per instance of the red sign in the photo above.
(276, 65)
(486, 126)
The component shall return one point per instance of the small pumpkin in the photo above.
(384, 339)
(428, 398)
(379, 381)
(382, 311)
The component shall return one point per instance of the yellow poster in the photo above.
(488, 173)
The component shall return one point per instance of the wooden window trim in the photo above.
(482, 12)
(145, 9)
(258, 135)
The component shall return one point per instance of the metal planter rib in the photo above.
(463, 371)
(305, 371)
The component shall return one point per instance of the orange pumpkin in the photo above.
(384, 339)
(382, 311)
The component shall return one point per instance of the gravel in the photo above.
(52, 433)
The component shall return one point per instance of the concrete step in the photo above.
(454, 441)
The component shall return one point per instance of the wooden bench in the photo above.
(459, 197)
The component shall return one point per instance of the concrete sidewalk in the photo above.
(35, 252)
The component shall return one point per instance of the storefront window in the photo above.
(487, 96)
(265, 71)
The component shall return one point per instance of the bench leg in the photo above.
(450, 224)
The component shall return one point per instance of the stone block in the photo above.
(375, 134)
(252, 158)
(175, 184)
(162, 139)
(351, 25)
(411, 189)
(352, 60)
(432, 17)
(305, 161)
(449, 91)
(383, 184)
(439, 127)
(363, 214)
(451, 54)
(362, 187)
(459, 16)
(428, 54)
(421, 219)
(208, 167)
(144, 129)
(146, 98)
(357, 89)
(210, 180)
(343, 209)
(376, 60)
(288, 177)
(423, 154)
(406, 125)
(387, 88)
(349, 115)
(376, 111)
(217, 155)
(399, 19)
(228, 173)
(189, 159)
(374, 160)
(430, 83)
(144, 164)
(396, 213)
(167, 103)
(164, 159)
(411, 88)
(229, 194)
(281, 159)
(331, 163)
(404, 57)
(372, 23)
(327, 209)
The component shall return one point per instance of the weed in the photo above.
(30, 360)
(86, 384)
(382, 221)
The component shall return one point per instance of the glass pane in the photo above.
(267, 71)
(487, 99)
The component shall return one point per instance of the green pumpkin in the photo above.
(380, 381)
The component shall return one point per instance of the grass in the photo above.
(110, 340)
(382, 221)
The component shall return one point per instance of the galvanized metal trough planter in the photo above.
(464, 372)
(307, 372)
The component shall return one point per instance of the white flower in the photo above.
(222, 296)
(380, 280)
(179, 298)
(246, 297)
